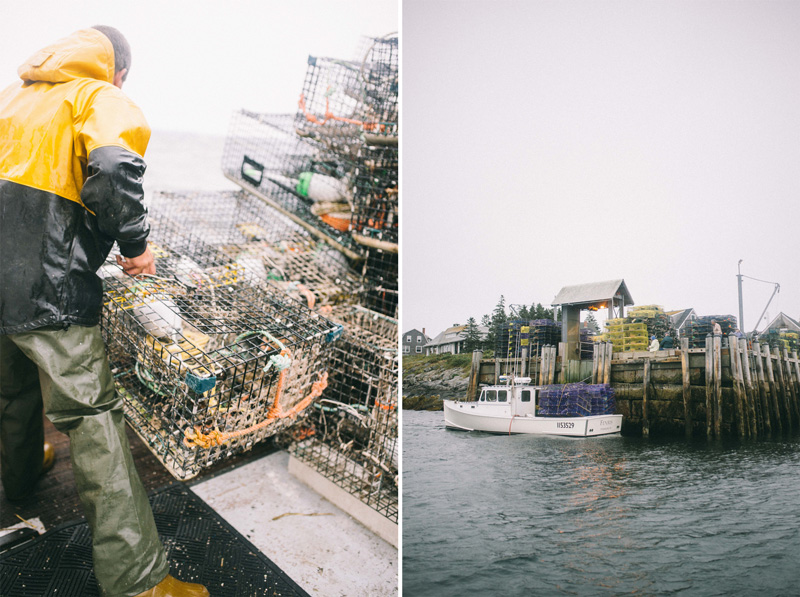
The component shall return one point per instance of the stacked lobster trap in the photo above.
(207, 363)
(273, 314)
(332, 167)
(268, 245)
(354, 426)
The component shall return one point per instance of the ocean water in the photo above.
(526, 515)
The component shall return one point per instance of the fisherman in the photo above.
(653, 344)
(716, 330)
(71, 147)
(667, 341)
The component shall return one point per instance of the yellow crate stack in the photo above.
(626, 337)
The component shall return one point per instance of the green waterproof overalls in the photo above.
(67, 372)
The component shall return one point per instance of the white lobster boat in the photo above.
(512, 409)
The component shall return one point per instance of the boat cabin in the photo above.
(520, 396)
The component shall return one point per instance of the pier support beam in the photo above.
(742, 423)
(718, 386)
(786, 414)
(709, 387)
(773, 389)
(771, 420)
(686, 386)
(474, 376)
(646, 391)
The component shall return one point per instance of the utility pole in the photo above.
(741, 308)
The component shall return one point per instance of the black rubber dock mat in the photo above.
(200, 545)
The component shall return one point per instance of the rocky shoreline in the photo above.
(428, 381)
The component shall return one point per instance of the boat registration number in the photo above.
(564, 425)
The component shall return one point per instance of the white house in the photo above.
(452, 340)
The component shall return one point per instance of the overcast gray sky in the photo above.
(195, 62)
(555, 143)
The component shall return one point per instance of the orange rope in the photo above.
(310, 298)
(195, 438)
(330, 116)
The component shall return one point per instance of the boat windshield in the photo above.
(494, 396)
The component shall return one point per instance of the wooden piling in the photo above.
(687, 388)
(595, 362)
(773, 389)
(718, 386)
(756, 425)
(797, 377)
(742, 425)
(709, 387)
(525, 362)
(607, 362)
(562, 351)
(770, 421)
(551, 374)
(542, 365)
(786, 414)
(758, 399)
(791, 390)
(474, 376)
(645, 393)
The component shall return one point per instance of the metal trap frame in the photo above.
(380, 272)
(358, 95)
(311, 186)
(349, 109)
(270, 246)
(207, 363)
(354, 427)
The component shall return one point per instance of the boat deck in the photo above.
(318, 545)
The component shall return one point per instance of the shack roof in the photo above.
(679, 317)
(592, 293)
(783, 321)
(457, 333)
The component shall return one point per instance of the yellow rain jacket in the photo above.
(71, 149)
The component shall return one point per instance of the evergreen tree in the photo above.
(592, 324)
(524, 313)
(497, 322)
(539, 312)
(472, 336)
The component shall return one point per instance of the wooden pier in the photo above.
(729, 388)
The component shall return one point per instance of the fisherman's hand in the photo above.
(143, 264)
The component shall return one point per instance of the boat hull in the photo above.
(470, 416)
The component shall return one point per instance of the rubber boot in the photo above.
(49, 458)
(172, 587)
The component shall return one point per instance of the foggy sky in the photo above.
(195, 62)
(547, 144)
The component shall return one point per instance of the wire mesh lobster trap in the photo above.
(576, 400)
(208, 364)
(355, 426)
(358, 96)
(272, 248)
(380, 273)
(310, 185)
(349, 109)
